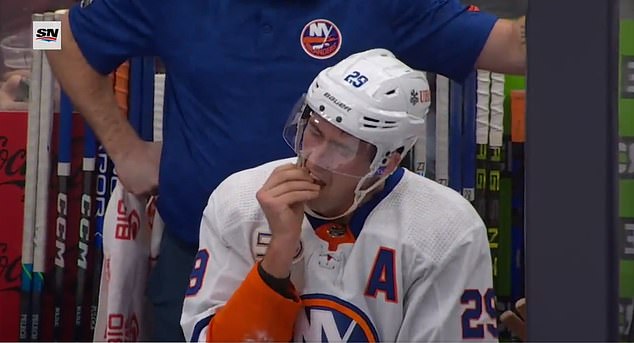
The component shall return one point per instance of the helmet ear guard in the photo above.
(385, 161)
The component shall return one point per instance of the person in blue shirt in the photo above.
(234, 69)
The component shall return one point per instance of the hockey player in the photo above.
(340, 244)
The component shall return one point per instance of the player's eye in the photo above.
(343, 150)
(313, 130)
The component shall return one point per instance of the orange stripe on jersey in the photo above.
(334, 234)
(344, 310)
(255, 312)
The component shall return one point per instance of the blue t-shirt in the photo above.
(236, 67)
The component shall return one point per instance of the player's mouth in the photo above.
(317, 180)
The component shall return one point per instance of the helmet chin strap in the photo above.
(359, 195)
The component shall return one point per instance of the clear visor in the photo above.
(321, 144)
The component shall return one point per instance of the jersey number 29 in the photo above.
(476, 301)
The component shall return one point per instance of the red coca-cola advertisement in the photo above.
(13, 142)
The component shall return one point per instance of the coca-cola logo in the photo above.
(9, 270)
(12, 164)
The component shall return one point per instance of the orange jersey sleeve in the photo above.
(255, 312)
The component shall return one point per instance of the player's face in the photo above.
(337, 161)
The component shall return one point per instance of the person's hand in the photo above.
(138, 168)
(26, 73)
(282, 199)
(14, 90)
(515, 323)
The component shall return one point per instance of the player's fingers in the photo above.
(520, 306)
(515, 324)
(283, 175)
(291, 186)
(295, 197)
(284, 167)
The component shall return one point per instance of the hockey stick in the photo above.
(442, 130)
(147, 114)
(157, 136)
(482, 139)
(517, 106)
(43, 179)
(159, 93)
(455, 136)
(135, 96)
(30, 190)
(101, 200)
(88, 170)
(492, 217)
(626, 136)
(63, 173)
(418, 153)
(468, 137)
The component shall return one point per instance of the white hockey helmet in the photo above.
(371, 96)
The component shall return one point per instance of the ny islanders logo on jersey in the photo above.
(326, 318)
(321, 39)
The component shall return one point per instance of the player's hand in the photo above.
(515, 323)
(138, 167)
(282, 199)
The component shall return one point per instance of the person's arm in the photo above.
(505, 49)
(456, 301)
(92, 94)
(452, 39)
(231, 296)
(256, 312)
(95, 41)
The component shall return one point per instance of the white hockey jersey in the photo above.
(418, 268)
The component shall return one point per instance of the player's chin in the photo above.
(318, 204)
(327, 206)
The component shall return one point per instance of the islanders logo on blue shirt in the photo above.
(321, 39)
